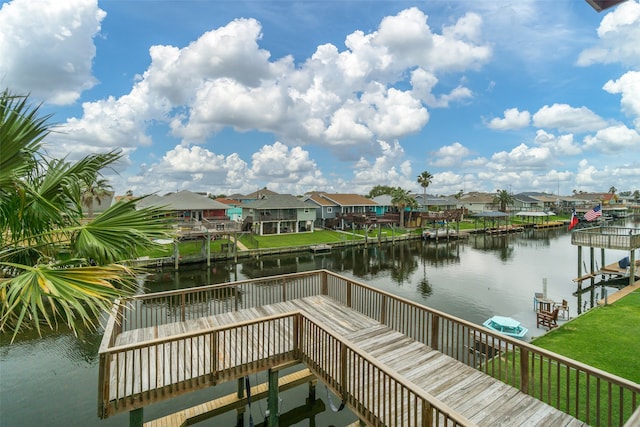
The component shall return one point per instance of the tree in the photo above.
(401, 199)
(504, 199)
(380, 190)
(636, 195)
(40, 219)
(612, 190)
(95, 189)
(424, 179)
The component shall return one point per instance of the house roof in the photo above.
(477, 198)
(227, 201)
(348, 199)
(183, 200)
(259, 194)
(278, 201)
(383, 199)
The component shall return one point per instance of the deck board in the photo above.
(477, 396)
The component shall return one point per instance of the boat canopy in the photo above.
(535, 213)
(491, 214)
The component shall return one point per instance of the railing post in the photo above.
(435, 331)
(383, 310)
(325, 283)
(297, 332)
(273, 401)
(348, 303)
(343, 372)
(524, 370)
(103, 385)
(214, 356)
(284, 290)
(427, 414)
(183, 306)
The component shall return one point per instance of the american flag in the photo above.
(593, 213)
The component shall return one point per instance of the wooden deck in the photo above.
(478, 397)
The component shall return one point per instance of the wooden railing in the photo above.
(587, 393)
(377, 394)
(607, 237)
(230, 352)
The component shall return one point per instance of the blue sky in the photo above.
(231, 96)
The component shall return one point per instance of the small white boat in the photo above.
(506, 325)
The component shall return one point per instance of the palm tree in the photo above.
(612, 190)
(40, 214)
(401, 199)
(504, 199)
(424, 179)
(94, 191)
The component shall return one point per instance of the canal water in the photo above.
(52, 381)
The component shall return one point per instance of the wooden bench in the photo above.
(547, 319)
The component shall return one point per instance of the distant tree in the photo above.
(504, 199)
(129, 193)
(459, 194)
(380, 190)
(94, 189)
(424, 179)
(612, 190)
(636, 195)
(401, 199)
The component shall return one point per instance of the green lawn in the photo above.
(607, 338)
(297, 239)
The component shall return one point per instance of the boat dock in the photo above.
(391, 361)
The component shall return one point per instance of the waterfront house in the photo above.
(193, 212)
(279, 213)
(476, 202)
(339, 209)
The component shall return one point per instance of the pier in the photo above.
(605, 237)
(390, 361)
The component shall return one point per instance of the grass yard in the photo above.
(607, 338)
(296, 239)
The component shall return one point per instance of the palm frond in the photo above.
(120, 233)
(46, 294)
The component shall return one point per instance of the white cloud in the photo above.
(337, 99)
(389, 168)
(629, 86)
(562, 145)
(46, 47)
(619, 34)
(450, 155)
(614, 139)
(279, 163)
(520, 157)
(513, 119)
(566, 118)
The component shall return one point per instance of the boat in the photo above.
(439, 233)
(506, 326)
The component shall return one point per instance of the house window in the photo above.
(329, 210)
(306, 210)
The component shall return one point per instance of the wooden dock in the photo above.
(391, 361)
(481, 399)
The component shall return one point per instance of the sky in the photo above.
(229, 97)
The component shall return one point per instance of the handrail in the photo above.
(559, 381)
(304, 329)
(527, 367)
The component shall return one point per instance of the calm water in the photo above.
(52, 380)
